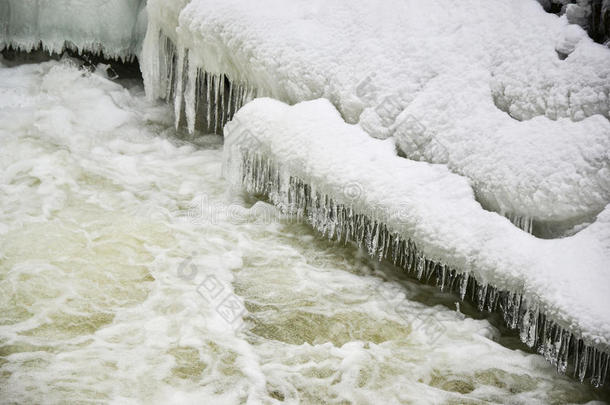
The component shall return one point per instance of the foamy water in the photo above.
(130, 273)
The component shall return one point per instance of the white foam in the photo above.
(95, 187)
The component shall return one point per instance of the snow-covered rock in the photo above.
(308, 161)
(502, 92)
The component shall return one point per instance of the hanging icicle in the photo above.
(524, 223)
(202, 100)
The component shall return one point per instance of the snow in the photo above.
(114, 28)
(549, 170)
(273, 148)
(469, 75)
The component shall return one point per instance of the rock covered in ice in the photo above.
(567, 278)
(114, 28)
(449, 80)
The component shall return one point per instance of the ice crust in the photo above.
(113, 28)
(426, 219)
(478, 86)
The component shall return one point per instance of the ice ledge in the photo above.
(351, 187)
(114, 28)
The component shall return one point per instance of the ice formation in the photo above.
(206, 101)
(426, 220)
(463, 78)
(113, 28)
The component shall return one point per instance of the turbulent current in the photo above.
(131, 273)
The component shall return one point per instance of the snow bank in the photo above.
(426, 219)
(450, 80)
(114, 28)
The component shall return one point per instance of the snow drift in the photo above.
(426, 220)
(488, 88)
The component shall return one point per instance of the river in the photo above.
(130, 272)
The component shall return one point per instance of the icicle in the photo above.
(238, 96)
(420, 267)
(481, 294)
(601, 371)
(463, 286)
(564, 351)
(443, 276)
(524, 223)
(208, 100)
(492, 298)
(584, 363)
(387, 240)
(529, 325)
(230, 104)
(178, 87)
(169, 64)
(190, 95)
(214, 97)
(372, 238)
(451, 278)
(512, 310)
(394, 249)
(218, 97)
(222, 101)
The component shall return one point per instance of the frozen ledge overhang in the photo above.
(113, 29)
(349, 186)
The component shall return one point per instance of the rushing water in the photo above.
(130, 273)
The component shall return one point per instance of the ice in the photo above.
(203, 99)
(510, 96)
(426, 220)
(113, 28)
